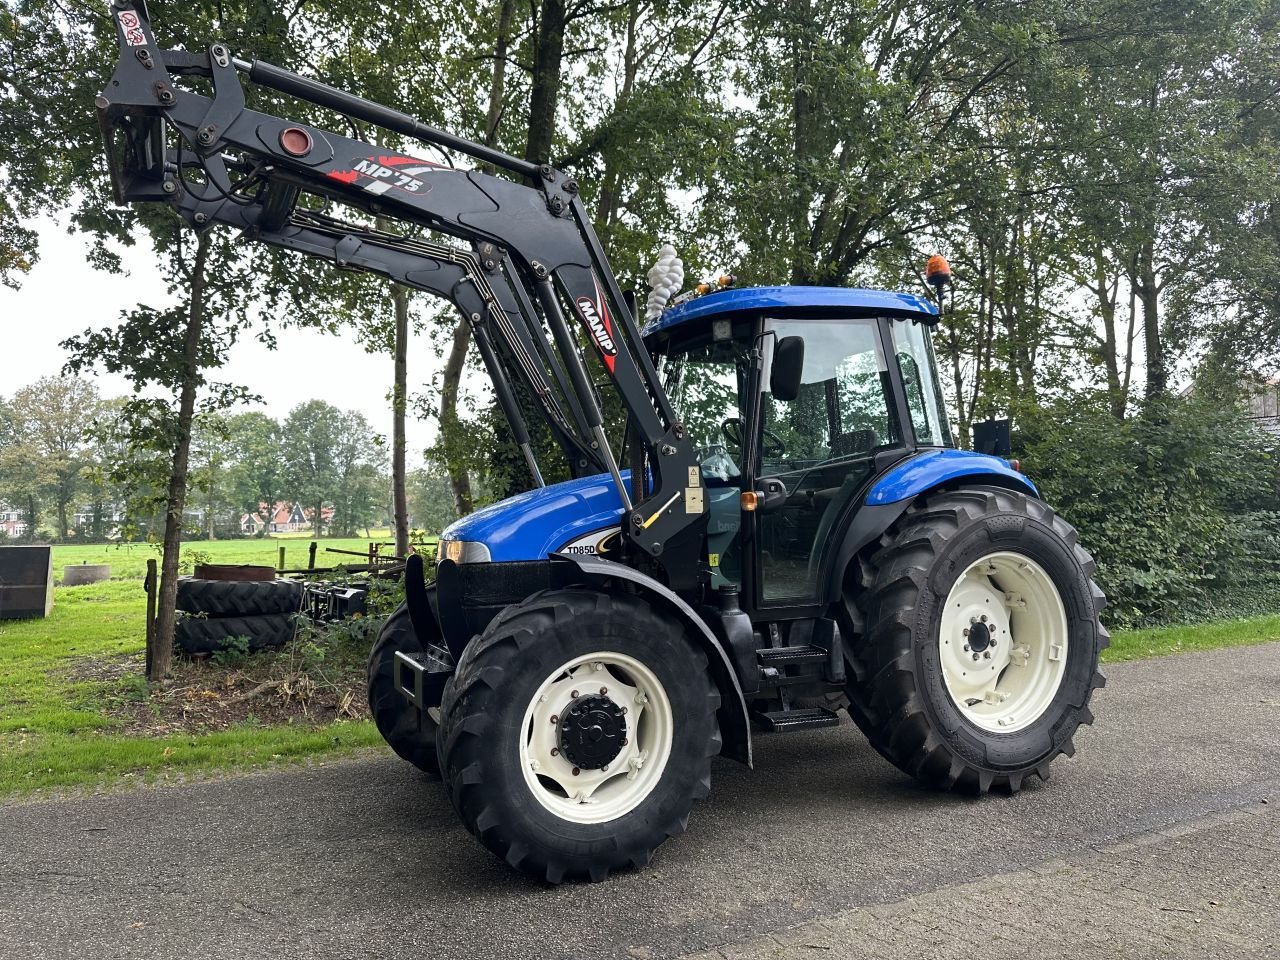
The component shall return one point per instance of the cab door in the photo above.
(822, 447)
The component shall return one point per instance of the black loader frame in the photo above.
(529, 256)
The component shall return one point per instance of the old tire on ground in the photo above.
(229, 598)
(210, 634)
(981, 641)
(410, 732)
(577, 733)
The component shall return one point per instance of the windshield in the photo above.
(706, 385)
(913, 350)
(842, 409)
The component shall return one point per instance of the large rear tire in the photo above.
(577, 732)
(410, 732)
(981, 641)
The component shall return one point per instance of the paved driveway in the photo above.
(1156, 840)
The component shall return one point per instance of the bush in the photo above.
(1180, 504)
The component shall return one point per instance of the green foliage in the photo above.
(234, 652)
(1180, 505)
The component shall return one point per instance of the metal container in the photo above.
(26, 582)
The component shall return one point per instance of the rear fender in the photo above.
(735, 727)
(899, 487)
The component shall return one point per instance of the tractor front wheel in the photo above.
(410, 732)
(577, 732)
(982, 641)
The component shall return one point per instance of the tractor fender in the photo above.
(897, 488)
(735, 726)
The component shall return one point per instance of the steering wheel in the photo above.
(774, 446)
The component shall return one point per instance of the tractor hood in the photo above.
(531, 525)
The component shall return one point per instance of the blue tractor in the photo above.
(767, 521)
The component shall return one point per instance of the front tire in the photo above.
(577, 732)
(982, 640)
(410, 732)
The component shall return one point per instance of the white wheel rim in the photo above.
(1003, 642)
(596, 796)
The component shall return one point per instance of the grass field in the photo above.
(61, 677)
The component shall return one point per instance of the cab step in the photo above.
(786, 720)
(780, 656)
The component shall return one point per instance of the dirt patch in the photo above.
(291, 686)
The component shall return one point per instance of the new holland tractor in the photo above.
(782, 528)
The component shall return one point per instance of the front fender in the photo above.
(735, 726)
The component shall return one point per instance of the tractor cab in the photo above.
(796, 400)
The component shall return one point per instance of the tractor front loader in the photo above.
(786, 529)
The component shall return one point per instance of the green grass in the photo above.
(129, 560)
(56, 731)
(1161, 641)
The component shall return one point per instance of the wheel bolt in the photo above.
(604, 768)
(603, 691)
(576, 771)
(986, 655)
(975, 656)
(965, 631)
(574, 694)
(993, 642)
(555, 751)
(984, 618)
(966, 648)
(554, 719)
(623, 709)
(624, 741)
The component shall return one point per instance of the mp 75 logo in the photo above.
(381, 174)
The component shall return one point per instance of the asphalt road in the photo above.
(822, 842)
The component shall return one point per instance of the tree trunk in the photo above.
(62, 521)
(399, 401)
(451, 377)
(176, 503)
(318, 519)
(1106, 293)
(548, 51)
(497, 86)
(1149, 295)
(450, 425)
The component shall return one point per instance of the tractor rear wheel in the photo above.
(577, 732)
(410, 732)
(981, 641)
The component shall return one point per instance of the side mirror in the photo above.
(788, 365)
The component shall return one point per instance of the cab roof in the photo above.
(742, 299)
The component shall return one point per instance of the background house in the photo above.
(11, 523)
(284, 517)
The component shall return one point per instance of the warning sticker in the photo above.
(132, 27)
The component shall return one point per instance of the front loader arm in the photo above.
(167, 143)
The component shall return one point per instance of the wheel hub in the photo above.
(593, 731)
(979, 636)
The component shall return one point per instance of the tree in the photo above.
(212, 456)
(359, 464)
(25, 481)
(258, 472)
(431, 498)
(51, 416)
(311, 438)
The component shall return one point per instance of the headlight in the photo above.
(464, 551)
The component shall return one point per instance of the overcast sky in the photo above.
(63, 295)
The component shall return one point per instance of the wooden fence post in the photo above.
(311, 558)
(150, 586)
(280, 565)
